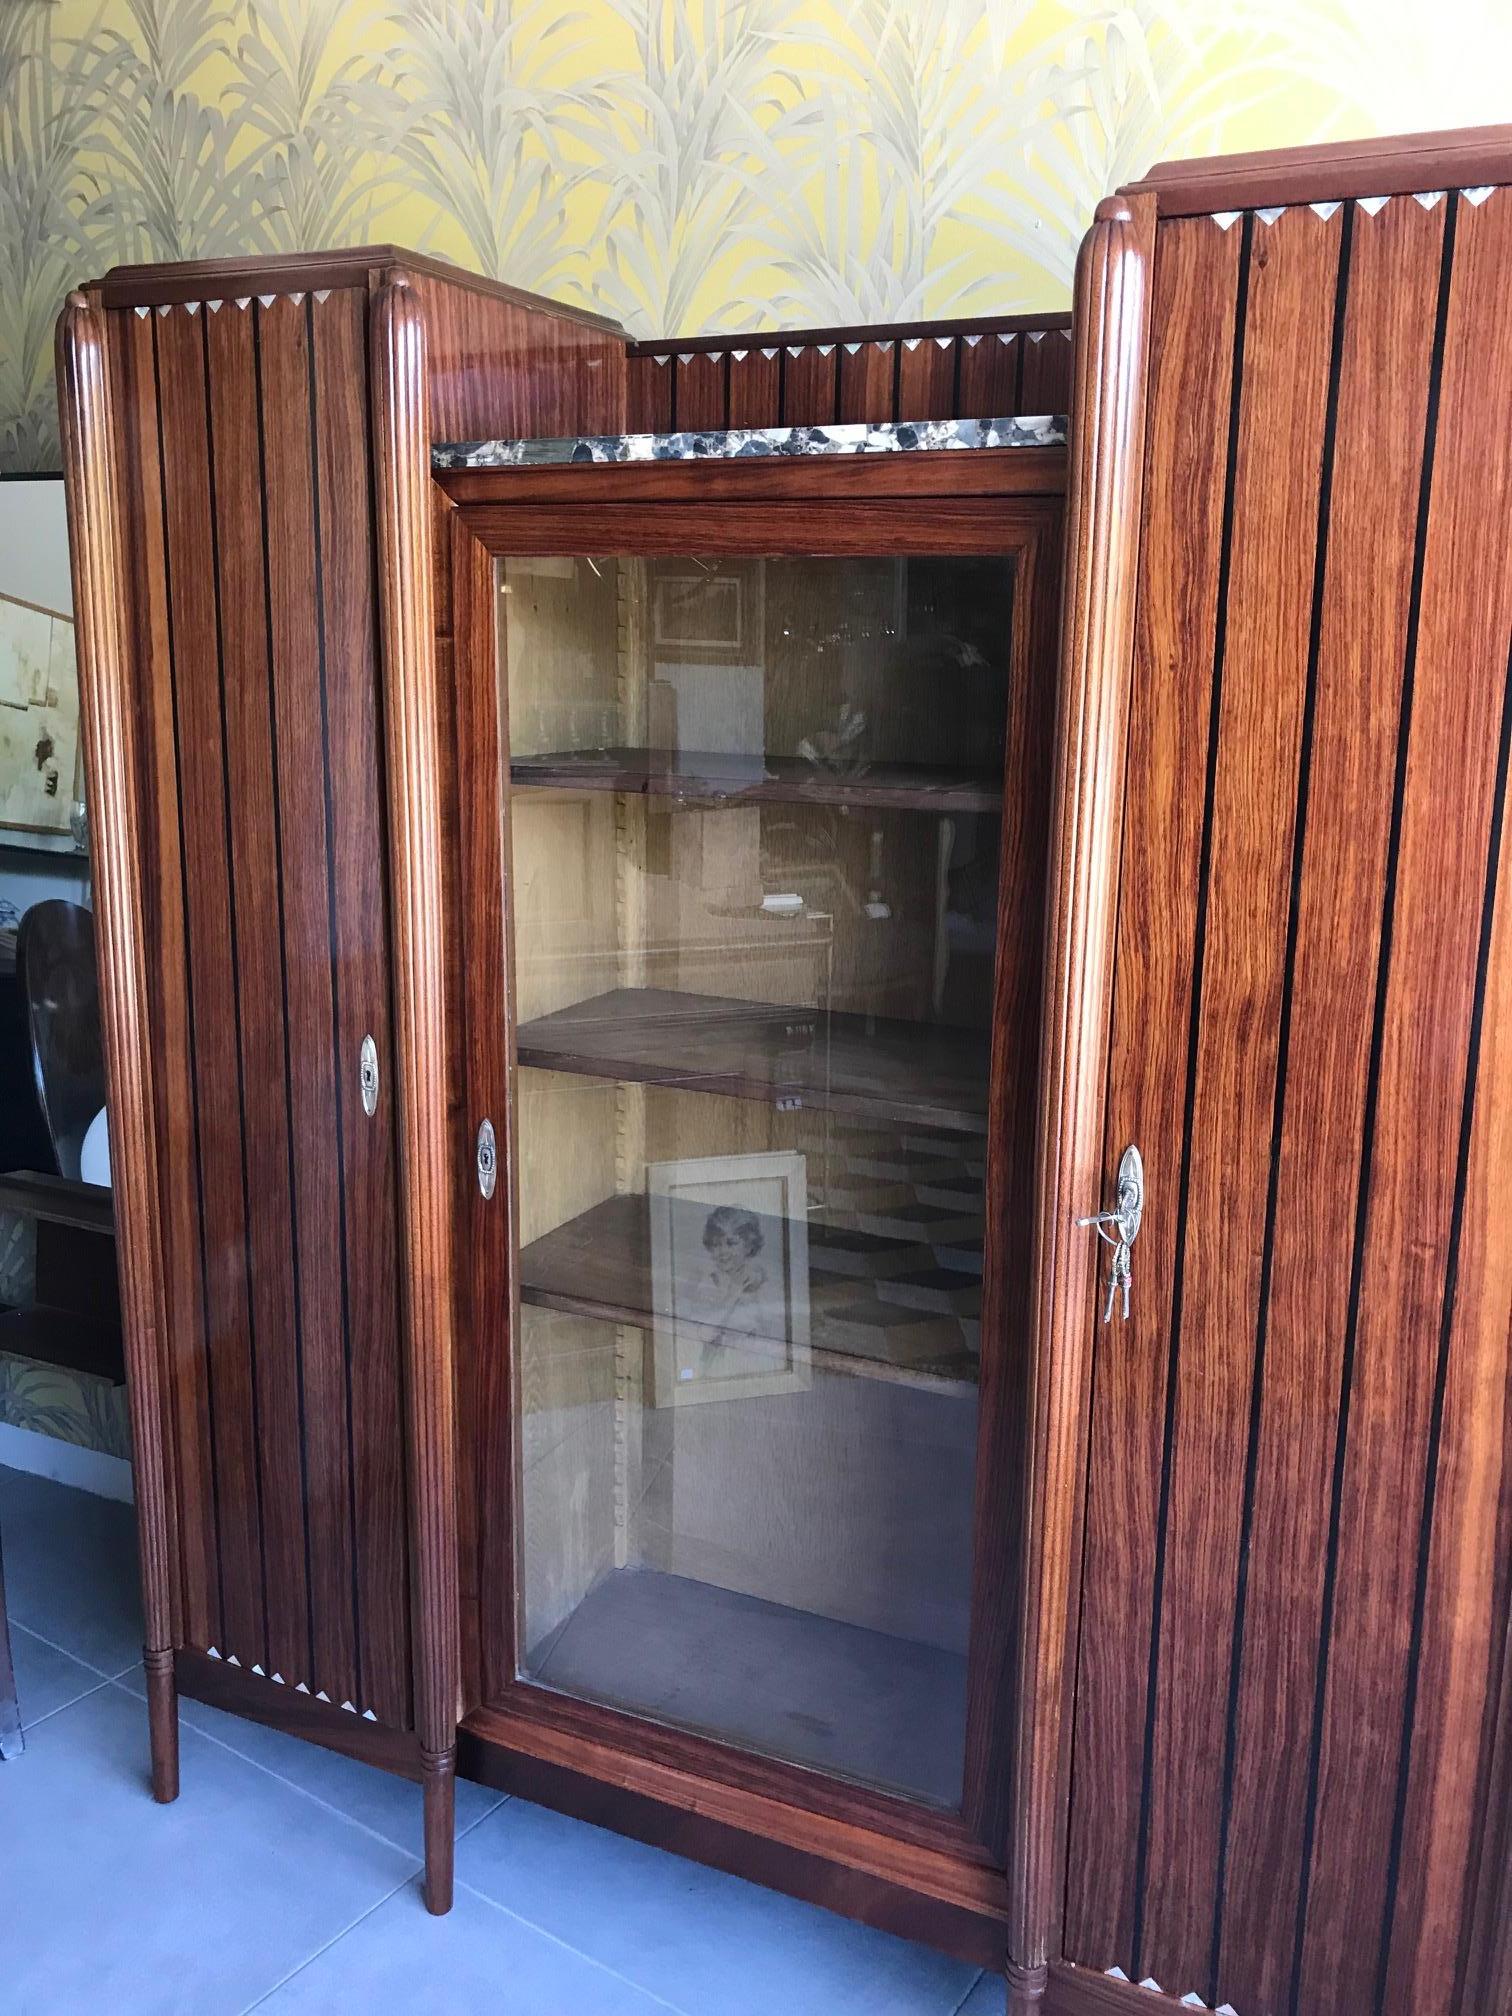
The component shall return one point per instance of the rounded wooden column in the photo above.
(401, 442)
(108, 730)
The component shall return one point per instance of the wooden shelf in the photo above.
(701, 777)
(869, 1067)
(878, 1308)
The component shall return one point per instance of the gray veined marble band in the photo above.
(889, 438)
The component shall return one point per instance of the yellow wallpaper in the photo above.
(680, 164)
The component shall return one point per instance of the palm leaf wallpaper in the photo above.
(680, 164)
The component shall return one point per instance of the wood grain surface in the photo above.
(1085, 811)
(1298, 1448)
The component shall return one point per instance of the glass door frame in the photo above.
(926, 503)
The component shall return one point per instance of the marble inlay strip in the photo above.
(744, 443)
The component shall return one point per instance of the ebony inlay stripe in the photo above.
(1283, 1053)
(1204, 887)
(1377, 1038)
(214, 1507)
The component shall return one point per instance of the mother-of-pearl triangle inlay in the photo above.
(1427, 197)
(1371, 204)
(1479, 194)
(1270, 216)
(1323, 210)
(1223, 218)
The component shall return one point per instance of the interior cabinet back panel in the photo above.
(244, 458)
(1296, 1544)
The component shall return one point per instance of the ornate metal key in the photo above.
(1119, 1229)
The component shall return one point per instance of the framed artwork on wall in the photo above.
(729, 1271)
(39, 718)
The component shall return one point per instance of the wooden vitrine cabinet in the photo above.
(752, 832)
(645, 893)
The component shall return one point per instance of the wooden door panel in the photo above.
(1296, 1528)
(249, 546)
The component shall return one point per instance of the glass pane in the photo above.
(755, 831)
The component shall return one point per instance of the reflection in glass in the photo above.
(756, 809)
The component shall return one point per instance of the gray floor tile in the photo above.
(71, 1569)
(47, 1679)
(475, 1962)
(988, 1998)
(113, 1903)
(713, 1945)
(390, 1806)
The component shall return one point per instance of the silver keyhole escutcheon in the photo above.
(367, 1076)
(488, 1160)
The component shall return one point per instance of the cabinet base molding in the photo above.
(843, 1867)
(239, 1692)
(1077, 1991)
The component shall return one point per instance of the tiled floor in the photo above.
(284, 1878)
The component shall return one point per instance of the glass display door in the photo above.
(754, 835)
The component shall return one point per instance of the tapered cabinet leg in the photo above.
(162, 1724)
(440, 1783)
(1026, 1989)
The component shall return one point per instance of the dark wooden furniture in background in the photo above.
(74, 1318)
(1278, 1662)
(55, 963)
(248, 466)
